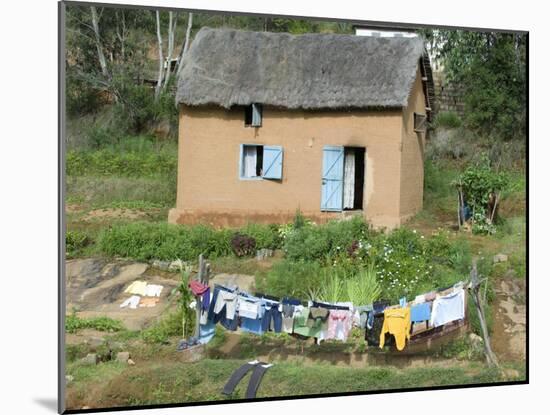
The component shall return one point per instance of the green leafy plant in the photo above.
(364, 287)
(75, 241)
(479, 187)
(73, 323)
(186, 297)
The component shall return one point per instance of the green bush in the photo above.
(73, 323)
(170, 326)
(310, 242)
(447, 119)
(145, 241)
(289, 278)
(75, 241)
(109, 162)
(266, 236)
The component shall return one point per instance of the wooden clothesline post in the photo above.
(475, 285)
(203, 276)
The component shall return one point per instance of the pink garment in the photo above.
(197, 287)
(339, 324)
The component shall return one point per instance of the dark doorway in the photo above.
(354, 177)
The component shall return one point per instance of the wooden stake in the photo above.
(475, 283)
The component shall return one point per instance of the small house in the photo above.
(332, 125)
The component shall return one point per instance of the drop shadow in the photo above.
(48, 403)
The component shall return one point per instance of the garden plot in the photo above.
(96, 287)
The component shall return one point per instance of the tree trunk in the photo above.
(173, 18)
(99, 47)
(161, 58)
(185, 44)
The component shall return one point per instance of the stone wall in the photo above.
(448, 97)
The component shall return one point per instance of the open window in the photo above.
(261, 162)
(253, 115)
(343, 178)
(420, 122)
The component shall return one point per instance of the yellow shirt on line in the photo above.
(397, 321)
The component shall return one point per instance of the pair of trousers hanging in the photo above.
(259, 370)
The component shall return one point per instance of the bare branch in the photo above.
(99, 47)
(161, 58)
(185, 44)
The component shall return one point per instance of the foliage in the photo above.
(364, 287)
(447, 119)
(243, 245)
(292, 278)
(75, 241)
(314, 242)
(265, 236)
(107, 162)
(332, 289)
(170, 326)
(145, 241)
(480, 184)
(491, 68)
(73, 323)
(185, 299)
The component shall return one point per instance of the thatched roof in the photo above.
(312, 71)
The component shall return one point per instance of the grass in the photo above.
(73, 324)
(111, 385)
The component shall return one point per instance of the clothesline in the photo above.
(383, 323)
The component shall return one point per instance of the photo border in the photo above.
(61, 382)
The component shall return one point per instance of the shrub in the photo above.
(318, 242)
(289, 278)
(447, 119)
(479, 184)
(243, 245)
(75, 241)
(73, 323)
(145, 241)
(364, 288)
(111, 162)
(170, 326)
(266, 236)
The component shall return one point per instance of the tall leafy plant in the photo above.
(364, 288)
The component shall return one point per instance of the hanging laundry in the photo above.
(301, 315)
(148, 301)
(227, 300)
(131, 302)
(288, 317)
(248, 307)
(205, 300)
(419, 299)
(447, 308)
(402, 301)
(153, 290)
(250, 312)
(137, 288)
(430, 296)
(272, 319)
(206, 332)
(220, 316)
(361, 314)
(339, 324)
(420, 312)
(197, 287)
(397, 321)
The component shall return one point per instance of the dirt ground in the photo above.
(509, 331)
(96, 288)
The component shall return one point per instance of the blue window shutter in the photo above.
(272, 167)
(256, 115)
(332, 189)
